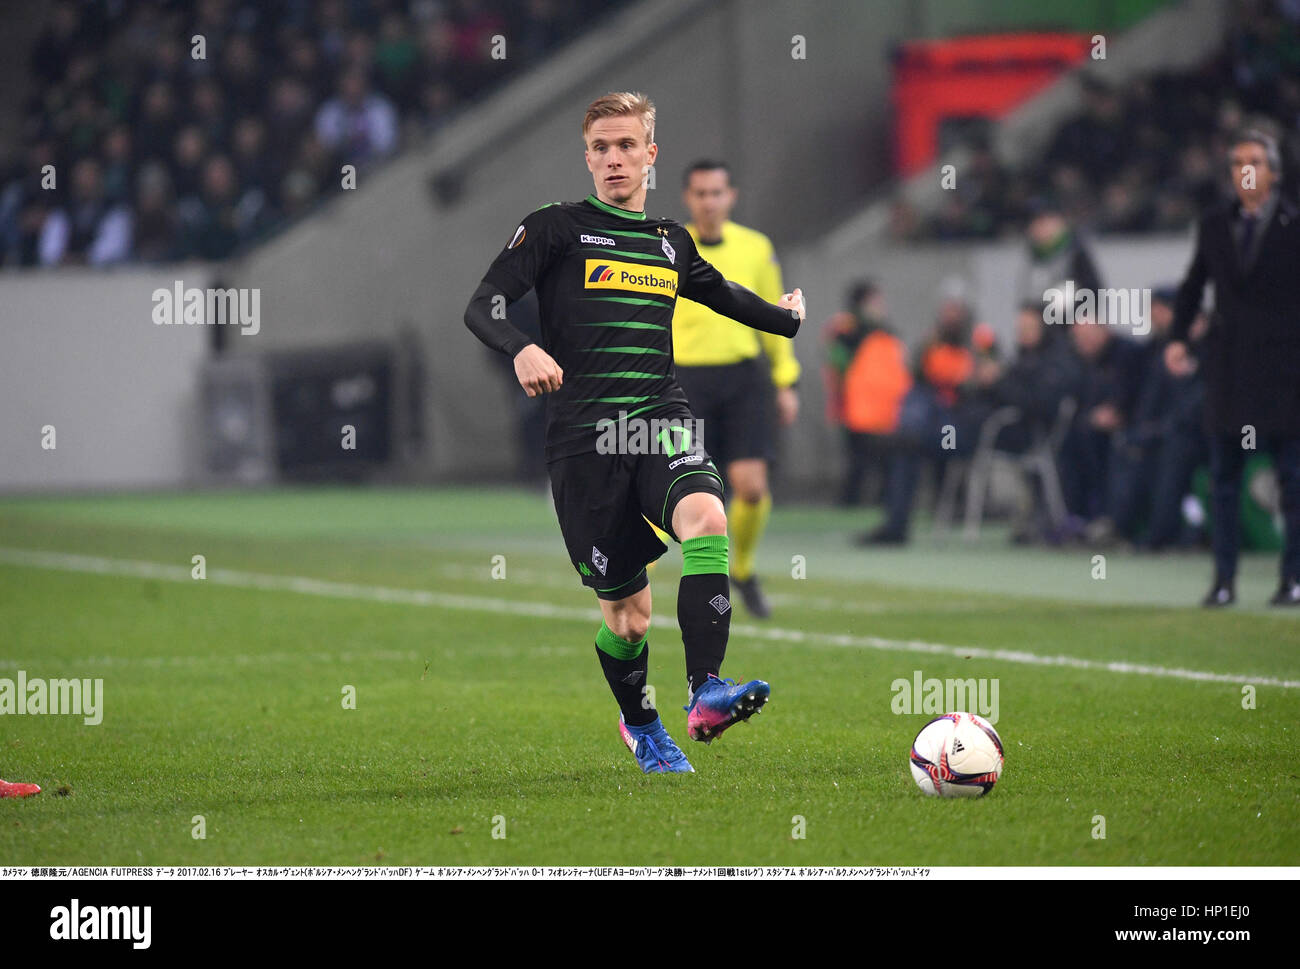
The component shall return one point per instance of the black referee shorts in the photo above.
(734, 403)
(603, 501)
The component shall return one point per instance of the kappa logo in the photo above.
(598, 560)
(587, 240)
(720, 603)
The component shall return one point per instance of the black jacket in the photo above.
(1252, 351)
(1166, 404)
(1037, 381)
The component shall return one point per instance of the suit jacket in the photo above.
(1251, 355)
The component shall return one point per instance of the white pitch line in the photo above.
(543, 610)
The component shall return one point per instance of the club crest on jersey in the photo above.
(607, 274)
(669, 251)
(598, 559)
(519, 238)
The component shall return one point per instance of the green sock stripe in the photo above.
(616, 646)
(704, 555)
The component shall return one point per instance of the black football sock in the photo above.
(704, 606)
(626, 665)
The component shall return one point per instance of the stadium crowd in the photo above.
(1124, 435)
(160, 154)
(1139, 159)
(1118, 437)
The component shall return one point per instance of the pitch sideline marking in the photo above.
(67, 562)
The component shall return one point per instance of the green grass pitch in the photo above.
(480, 705)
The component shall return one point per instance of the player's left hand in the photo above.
(793, 301)
(787, 405)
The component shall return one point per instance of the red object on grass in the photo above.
(18, 790)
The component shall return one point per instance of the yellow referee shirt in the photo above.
(704, 338)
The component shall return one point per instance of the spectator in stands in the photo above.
(155, 132)
(290, 116)
(156, 222)
(207, 111)
(25, 205)
(1140, 158)
(1109, 370)
(118, 164)
(116, 85)
(305, 67)
(947, 360)
(1126, 203)
(215, 224)
(866, 379)
(938, 399)
(58, 42)
(1055, 257)
(1156, 453)
(544, 23)
(476, 23)
(974, 207)
(359, 124)
(241, 75)
(297, 189)
(253, 166)
(396, 60)
(1095, 142)
(188, 153)
(1264, 48)
(89, 229)
(1037, 380)
(437, 60)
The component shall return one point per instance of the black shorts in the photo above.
(734, 404)
(603, 501)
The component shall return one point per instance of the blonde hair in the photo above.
(620, 104)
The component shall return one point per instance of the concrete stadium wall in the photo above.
(82, 353)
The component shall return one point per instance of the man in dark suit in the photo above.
(1250, 250)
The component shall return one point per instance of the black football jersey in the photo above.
(607, 281)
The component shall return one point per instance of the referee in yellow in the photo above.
(722, 367)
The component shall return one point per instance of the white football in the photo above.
(957, 755)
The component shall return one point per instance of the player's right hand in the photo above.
(538, 373)
(793, 301)
(1178, 361)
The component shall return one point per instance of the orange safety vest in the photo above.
(875, 385)
(947, 367)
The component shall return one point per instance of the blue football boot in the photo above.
(719, 703)
(653, 749)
